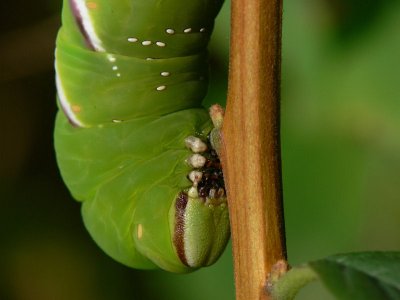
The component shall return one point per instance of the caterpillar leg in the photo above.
(217, 117)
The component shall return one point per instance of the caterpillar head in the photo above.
(201, 221)
(198, 217)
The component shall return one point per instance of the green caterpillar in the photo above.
(131, 136)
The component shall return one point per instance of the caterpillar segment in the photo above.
(132, 137)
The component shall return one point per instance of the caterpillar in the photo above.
(132, 138)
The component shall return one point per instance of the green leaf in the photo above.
(361, 276)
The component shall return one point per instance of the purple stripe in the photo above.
(70, 120)
(79, 22)
(179, 230)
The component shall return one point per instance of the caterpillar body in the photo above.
(131, 136)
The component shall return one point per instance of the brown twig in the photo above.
(251, 146)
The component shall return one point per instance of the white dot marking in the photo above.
(202, 29)
(160, 44)
(165, 74)
(161, 88)
(115, 68)
(187, 30)
(146, 43)
(132, 40)
(139, 231)
(111, 58)
(170, 31)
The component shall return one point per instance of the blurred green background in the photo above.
(340, 143)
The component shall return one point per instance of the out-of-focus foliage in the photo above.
(340, 142)
(361, 276)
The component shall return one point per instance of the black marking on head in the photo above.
(213, 177)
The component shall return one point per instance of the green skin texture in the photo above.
(130, 173)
